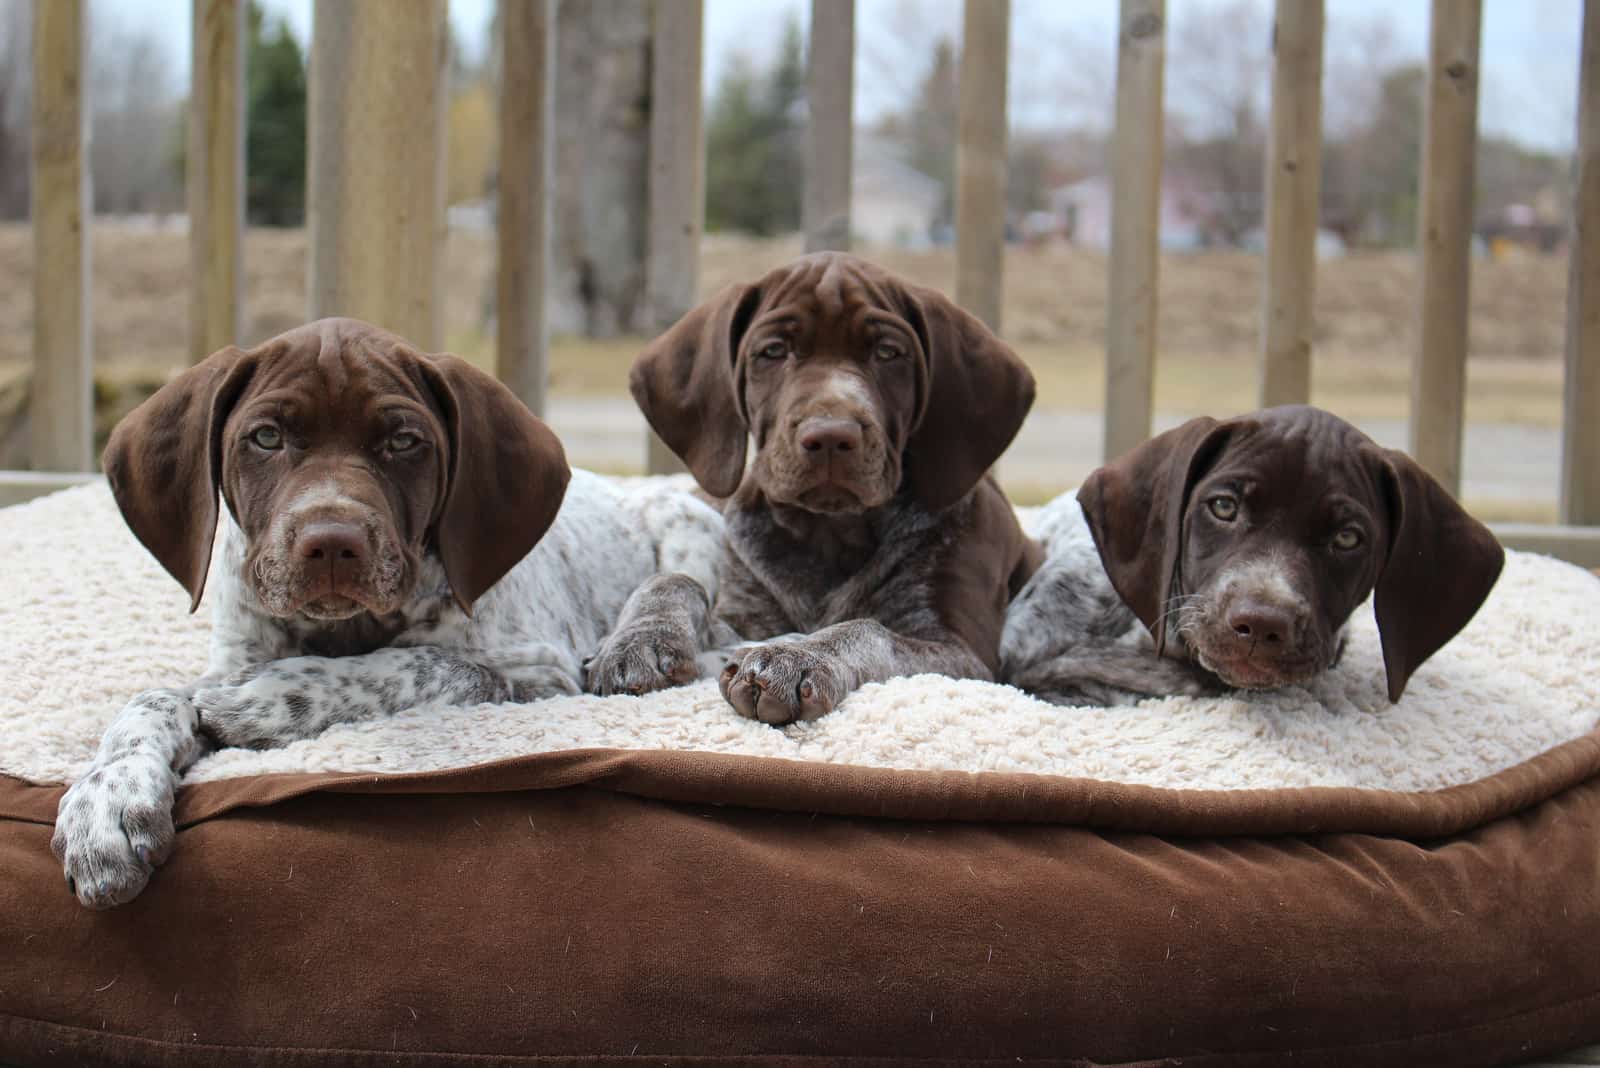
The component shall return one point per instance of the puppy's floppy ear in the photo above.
(1135, 507)
(977, 394)
(506, 477)
(164, 463)
(1441, 565)
(685, 383)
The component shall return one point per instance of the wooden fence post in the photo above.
(981, 159)
(60, 411)
(215, 181)
(1580, 445)
(375, 180)
(1135, 225)
(527, 188)
(1294, 179)
(677, 178)
(830, 124)
(1444, 239)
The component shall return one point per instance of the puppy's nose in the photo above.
(332, 541)
(1260, 621)
(830, 435)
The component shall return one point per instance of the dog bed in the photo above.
(939, 871)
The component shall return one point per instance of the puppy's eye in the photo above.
(774, 350)
(269, 438)
(1347, 539)
(888, 350)
(404, 441)
(1224, 508)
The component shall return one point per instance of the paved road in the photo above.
(1057, 448)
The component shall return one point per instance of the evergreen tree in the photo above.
(754, 166)
(275, 134)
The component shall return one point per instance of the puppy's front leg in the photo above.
(662, 628)
(806, 678)
(273, 704)
(114, 825)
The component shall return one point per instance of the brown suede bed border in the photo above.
(881, 793)
(619, 907)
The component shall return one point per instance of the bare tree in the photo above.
(1219, 78)
(602, 148)
(1371, 131)
(136, 123)
(16, 75)
(894, 49)
(1357, 52)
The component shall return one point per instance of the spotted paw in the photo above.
(113, 828)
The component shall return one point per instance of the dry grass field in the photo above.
(1055, 308)
(1055, 313)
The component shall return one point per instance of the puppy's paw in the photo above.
(541, 683)
(113, 827)
(640, 660)
(782, 682)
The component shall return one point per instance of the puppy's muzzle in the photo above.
(1257, 641)
(330, 562)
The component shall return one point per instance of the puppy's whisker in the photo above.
(1181, 604)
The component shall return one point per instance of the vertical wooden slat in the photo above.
(1135, 225)
(375, 181)
(61, 417)
(1294, 179)
(527, 189)
(1580, 445)
(981, 159)
(215, 181)
(830, 104)
(1449, 151)
(677, 177)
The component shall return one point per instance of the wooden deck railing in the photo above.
(376, 233)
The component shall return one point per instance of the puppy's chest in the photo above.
(815, 583)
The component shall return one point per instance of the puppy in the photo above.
(399, 531)
(1233, 553)
(865, 530)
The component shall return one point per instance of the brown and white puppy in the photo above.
(397, 530)
(1235, 552)
(865, 530)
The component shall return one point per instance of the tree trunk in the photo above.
(602, 151)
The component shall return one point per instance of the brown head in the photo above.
(1252, 540)
(853, 384)
(344, 455)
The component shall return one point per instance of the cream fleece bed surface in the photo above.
(87, 619)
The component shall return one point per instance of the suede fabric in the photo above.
(660, 907)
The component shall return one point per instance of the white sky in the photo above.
(1063, 51)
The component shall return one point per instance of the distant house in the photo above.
(891, 203)
(1524, 228)
(1083, 213)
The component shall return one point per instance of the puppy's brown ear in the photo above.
(1441, 565)
(164, 463)
(685, 383)
(1135, 507)
(506, 477)
(977, 394)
